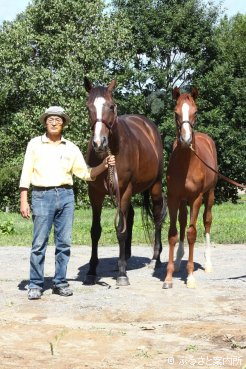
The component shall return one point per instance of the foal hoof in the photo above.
(167, 285)
(122, 281)
(208, 269)
(191, 284)
(90, 280)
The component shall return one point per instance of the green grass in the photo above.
(228, 227)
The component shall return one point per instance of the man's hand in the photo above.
(109, 160)
(25, 210)
(24, 206)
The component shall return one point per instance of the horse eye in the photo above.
(111, 107)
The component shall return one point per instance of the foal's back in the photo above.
(187, 175)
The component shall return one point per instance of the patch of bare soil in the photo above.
(135, 327)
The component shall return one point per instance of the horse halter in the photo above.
(179, 125)
(109, 126)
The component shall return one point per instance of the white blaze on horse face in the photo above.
(98, 103)
(186, 127)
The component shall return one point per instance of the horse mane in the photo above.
(99, 91)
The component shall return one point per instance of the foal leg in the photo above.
(191, 237)
(182, 223)
(207, 221)
(173, 205)
(96, 230)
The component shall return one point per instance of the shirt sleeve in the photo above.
(80, 168)
(27, 168)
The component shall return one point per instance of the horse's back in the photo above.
(141, 150)
(139, 124)
(143, 132)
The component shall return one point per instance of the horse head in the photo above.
(102, 113)
(185, 115)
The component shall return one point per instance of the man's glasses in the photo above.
(57, 121)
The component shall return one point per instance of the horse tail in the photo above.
(148, 219)
(147, 216)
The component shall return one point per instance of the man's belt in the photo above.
(38, 188)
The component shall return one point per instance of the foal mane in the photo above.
(186, 96)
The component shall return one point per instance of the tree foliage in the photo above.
(223, 100)
(45, 54)
(149, 46)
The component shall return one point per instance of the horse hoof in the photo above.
(122, 281)
(167, 285)
(90, 280)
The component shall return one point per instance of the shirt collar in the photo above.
(45, 139)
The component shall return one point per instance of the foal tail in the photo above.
(149, 221)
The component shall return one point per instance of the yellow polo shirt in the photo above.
(49, 164)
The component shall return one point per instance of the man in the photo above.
(49, 164)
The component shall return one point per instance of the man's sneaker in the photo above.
(62, 291)
(34, 293)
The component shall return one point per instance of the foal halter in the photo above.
(183, 122)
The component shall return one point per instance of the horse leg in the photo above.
(96, 230)
(173, 205)
(191, 237)
(207, 221)
(122, 279)
(128, 243)
(122, 235)
(182, 222)
(159, 213)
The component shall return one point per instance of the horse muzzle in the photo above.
(100, 144)
(185, 143)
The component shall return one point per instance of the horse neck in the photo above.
(114, 138)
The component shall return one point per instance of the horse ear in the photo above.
(176, 93)
(87, 84)
(194, 92)
(112, 85)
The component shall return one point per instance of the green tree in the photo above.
(149, 46)
(44, 55)
(222, 103)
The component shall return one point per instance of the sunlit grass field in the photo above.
(229, 226)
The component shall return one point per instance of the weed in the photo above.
(54, 345)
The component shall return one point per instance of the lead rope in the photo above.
(215, 171)
(113, 188)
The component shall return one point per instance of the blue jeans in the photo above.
(51, 207)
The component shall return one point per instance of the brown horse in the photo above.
(189, 183)
(137, 146)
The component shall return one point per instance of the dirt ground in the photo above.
(135, 327)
